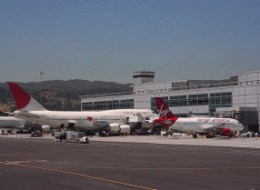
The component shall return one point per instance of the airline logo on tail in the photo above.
(163, 112)
(163, 109)
(166, 117)
(23, 100)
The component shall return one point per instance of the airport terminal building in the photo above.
(237, 97)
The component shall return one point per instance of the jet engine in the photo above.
(46, 128)
(124, 129)
(224, 132)
(119, 128)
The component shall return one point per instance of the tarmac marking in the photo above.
(20, 164)
(24, 164)
(189, 150)
(187, 168)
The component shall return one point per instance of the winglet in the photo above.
(23, 100)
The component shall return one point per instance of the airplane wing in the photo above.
(100, 124)
(20, 126)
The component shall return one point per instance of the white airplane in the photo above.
(196, 125)
(32, 111)
(9, 122)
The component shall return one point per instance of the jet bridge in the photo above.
(248, 116)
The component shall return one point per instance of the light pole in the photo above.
(41, 73)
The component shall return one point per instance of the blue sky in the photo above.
(108, 40)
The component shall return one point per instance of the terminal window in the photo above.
(221, 99)
(107, 105)
(178, 101)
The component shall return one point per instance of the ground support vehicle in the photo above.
(71, 137)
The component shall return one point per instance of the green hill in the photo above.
(63, 95)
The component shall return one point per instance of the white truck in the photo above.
(71, 136)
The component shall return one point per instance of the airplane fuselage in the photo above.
(32, 111)
(203, 125)
(11, 122)
(206, 125)
(82, 119)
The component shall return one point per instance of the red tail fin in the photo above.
(163, 109)
(20, 96)
(23, 100)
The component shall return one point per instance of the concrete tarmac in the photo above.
(39, 163)
(186, 140)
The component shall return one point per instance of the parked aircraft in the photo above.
(10, 122)
(196, 125)
(113, 120)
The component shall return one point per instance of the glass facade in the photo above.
(214, 100)
(107, 105)
(176, 101)
(219, 100)
(198, 100)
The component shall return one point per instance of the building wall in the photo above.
(242, 90)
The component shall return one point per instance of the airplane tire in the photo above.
(210, 134)
(195, 135)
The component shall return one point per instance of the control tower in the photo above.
(141, 77)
